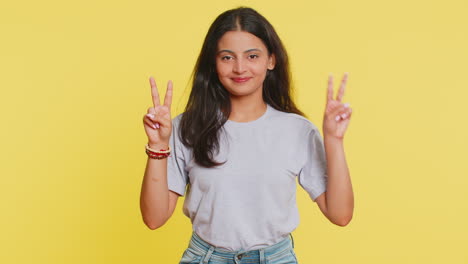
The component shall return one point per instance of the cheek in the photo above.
(222, 74)
(260, 70)
(261, 67)
(221, 69)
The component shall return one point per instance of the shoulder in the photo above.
(291, 120)
(176, 120)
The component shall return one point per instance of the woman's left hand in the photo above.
(337, 114)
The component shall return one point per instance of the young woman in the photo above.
(238, 148)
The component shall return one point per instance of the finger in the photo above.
(161, 121)
(155, 118)
(149, 122)
(340, 108)
(151, 110)
(330, 88)
(168, 96)
(336, 113)
(346, 114)
(154, 92)
(342, 88)
(150, 117)
(162, 110)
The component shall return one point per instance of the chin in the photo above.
(241, 93)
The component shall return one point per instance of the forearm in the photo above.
(154, 198)
(339, 195)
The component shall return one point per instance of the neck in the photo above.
(246, 109)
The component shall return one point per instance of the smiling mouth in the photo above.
(241, 80)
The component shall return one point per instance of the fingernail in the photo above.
(157, 125)
(343, 116)
(337, 118)
(346, 105)
(154, 126)
(150, 115)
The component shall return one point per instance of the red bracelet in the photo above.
(157, 154)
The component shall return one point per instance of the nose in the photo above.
(239, 66)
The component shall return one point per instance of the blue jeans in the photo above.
(200, 252)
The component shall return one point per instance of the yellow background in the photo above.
(74, 89)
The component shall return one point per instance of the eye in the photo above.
(226, 57)
(253, 56)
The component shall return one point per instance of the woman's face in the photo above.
(242, 61)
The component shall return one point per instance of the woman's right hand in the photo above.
(157, 121)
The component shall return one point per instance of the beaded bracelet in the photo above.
(168, 150)
(158, 154)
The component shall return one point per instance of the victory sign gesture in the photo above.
(337, 114)
(157, 121)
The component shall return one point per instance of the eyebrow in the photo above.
(230, 51)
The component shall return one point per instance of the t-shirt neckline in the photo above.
(268, 109)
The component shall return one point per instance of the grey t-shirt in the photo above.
(250, 201)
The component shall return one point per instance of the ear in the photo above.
(271, 62)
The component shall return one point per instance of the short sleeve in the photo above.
(313, 175)
(177, 177)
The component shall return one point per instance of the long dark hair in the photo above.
(209, 105)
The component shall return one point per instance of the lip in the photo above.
(241, 80)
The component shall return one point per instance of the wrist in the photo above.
(332, 140)
(160, 145)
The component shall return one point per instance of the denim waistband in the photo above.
(208, 250)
